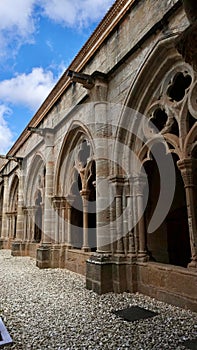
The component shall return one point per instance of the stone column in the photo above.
(57, 207)
(85, 196)
(118, 185)
(63, 209)
(99, 267)
(25, 223)
(139, 185)
(119, 224)
(0, 224)
(28, 226)
(48, 209)
(9, 219)
(43, 259)
(31, 223)
(98, 96)
(131, 221)
(186, 167)
(125, 222)
(69, 208)
(113, 233)
(119, 214)
(70, 200)
(20, 213)
(4, 232)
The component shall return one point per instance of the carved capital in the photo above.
(57, 202)
(187, 166)
(139, 183)
(85, 194)
(118, 182)
(70, 200)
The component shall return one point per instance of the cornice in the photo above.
(106, 26)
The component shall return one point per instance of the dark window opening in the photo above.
(180, 84)
(169, 243)
(174, 128)
(159, 119)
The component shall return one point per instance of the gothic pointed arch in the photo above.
(76, 134)
(161, 111)
(34, 199)
(35, 180)
(75, 183)
(157, 98)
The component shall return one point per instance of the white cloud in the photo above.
(16, 15)
(16, 23)
(75, 13)
(27, 89)
(19, 19)
(6, 135)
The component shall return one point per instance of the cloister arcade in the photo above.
(103, 181)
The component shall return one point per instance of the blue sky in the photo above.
(38, 40)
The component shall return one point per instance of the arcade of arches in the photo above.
(103, 181)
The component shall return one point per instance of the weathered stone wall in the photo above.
(170, 284)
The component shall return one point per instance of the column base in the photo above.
(192, 265)
(1, 243)
(86, 249)
(43, 257)
(99, 274)
(132, 257)
(142, 257)
(5, 243)
(18, 248)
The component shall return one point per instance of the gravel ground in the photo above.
(51, 309)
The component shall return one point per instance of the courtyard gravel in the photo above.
(51, 309)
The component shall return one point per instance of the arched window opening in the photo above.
(170, 243)
(77, 215)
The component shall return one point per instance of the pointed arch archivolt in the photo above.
(13, 194)
(67, 170)
(35, 180)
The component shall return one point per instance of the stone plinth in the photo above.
(16, 249)
(99, 274)
(43, 257)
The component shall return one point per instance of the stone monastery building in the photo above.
(103, 180)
